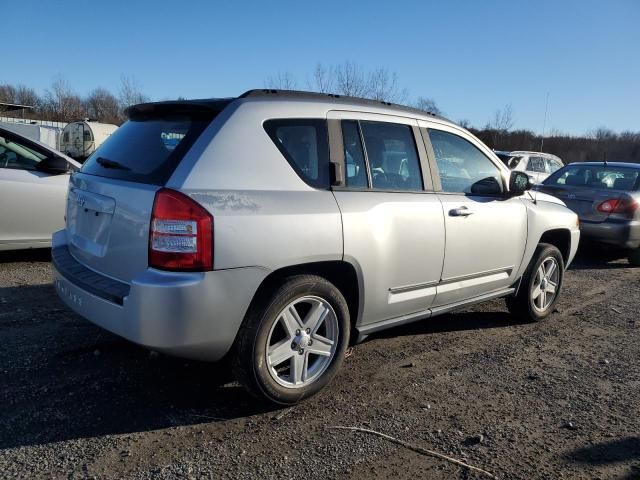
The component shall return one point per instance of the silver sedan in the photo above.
(33, 191)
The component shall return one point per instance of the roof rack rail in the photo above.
(300, 94)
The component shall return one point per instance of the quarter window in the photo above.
(462, 167)
(392, 155)
(304, 143)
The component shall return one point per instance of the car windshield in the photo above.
(596, 176)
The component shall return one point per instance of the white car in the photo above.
(33, 191)
(537, 165)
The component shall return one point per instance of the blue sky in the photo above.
(472, 57)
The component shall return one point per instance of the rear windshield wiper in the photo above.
(106, 163)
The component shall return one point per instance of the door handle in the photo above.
(460, 212)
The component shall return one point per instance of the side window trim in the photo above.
(434, 165)
(426, 172)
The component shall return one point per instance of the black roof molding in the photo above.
(218, 104)
(304, 95)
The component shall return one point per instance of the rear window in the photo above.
(304, 143)
(597, 176)
(146, 149)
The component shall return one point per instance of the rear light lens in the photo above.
(181, 234)
(618, 205)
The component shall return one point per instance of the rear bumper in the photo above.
(620, 233)
(192, 315)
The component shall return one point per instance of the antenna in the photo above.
(544, 123)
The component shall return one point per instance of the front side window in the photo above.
(304, 143)
(536, 164)
(392, 155)
(356, 170)
(462, 167)
(16, 155)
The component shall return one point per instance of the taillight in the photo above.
(618, 205)
(181, 234)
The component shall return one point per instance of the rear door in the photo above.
(111, 198)
(33, 201)
(486, 231)
(392, 220)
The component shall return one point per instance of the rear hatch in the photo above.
(584, 201)
(111, 198)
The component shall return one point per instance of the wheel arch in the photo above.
(340, 273)
(559, 238)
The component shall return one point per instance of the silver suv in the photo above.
(273, 228)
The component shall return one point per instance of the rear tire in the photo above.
(541, 285)
(634, 257)
(293, 340)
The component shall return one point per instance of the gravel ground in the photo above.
(556, 399)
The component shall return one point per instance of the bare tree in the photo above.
(103, 106)
(323, 80)
(350, 80)
(283, 81)
(502, 120)
(427, 105)
(464, 123)
(383, 85)
(130, 93)
(62, 103)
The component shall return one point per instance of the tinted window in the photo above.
(146, 150)
(462, 166)
(536, 164)
(16, 155)
(596, 176)
(392, 155)
(304, 143)
(356, 170)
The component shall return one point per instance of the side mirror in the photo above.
(519, 182)
(54, 165)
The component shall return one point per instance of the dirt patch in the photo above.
(556, 399)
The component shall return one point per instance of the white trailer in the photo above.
(80, 139)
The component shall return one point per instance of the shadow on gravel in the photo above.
(63, 378)
(34, 255)
(452, 322)
(606, 453)
(592, 256)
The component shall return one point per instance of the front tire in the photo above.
(293, 340)
(541, 285)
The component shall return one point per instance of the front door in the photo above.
(486, 231)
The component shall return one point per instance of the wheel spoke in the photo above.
(315, 317)
(536, 292)
(551, 287)
(542, 271)
(291, 321)
(280, 352)
(320, 345)
(552, 269)
(298, 368)
(543, 299)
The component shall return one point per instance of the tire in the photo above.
(533, 305)
(634, 257)
(274, 344)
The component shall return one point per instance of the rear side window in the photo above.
(146, 149)
(356, 174)
(304, 143)
(392, 154)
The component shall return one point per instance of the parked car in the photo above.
(537, 165)
(274, 227)
(33, 191)
(606, 197)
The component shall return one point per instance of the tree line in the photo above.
(60, 102)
